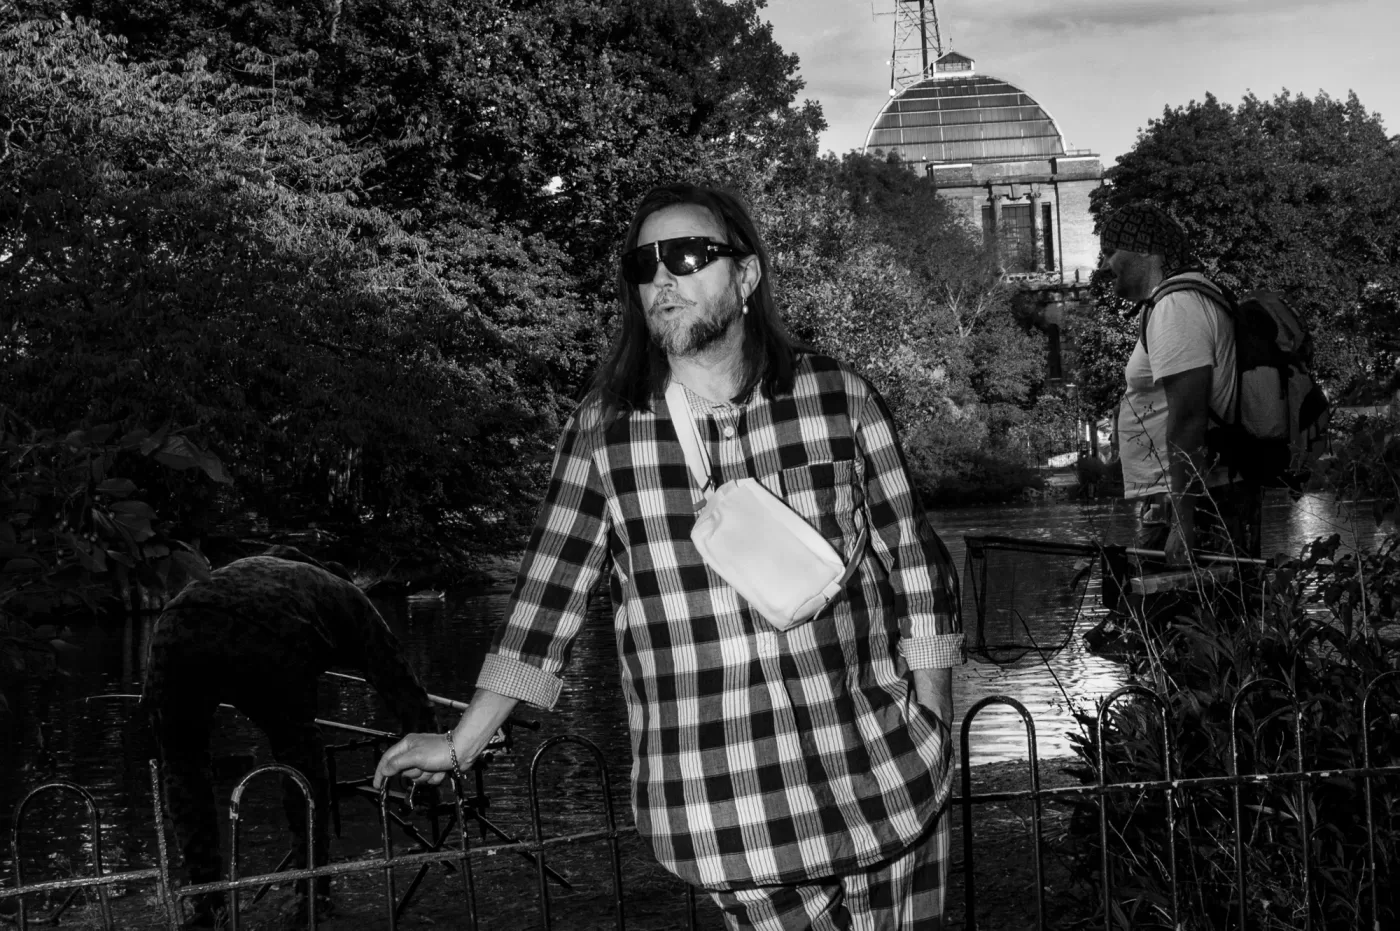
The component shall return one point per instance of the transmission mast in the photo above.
(917, 43)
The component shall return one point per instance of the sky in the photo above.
(1104, 68)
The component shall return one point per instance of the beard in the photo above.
(695, 329)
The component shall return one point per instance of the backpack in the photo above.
(1281, 414)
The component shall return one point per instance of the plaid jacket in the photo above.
(758, 756)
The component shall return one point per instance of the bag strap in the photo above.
(699, 463)
(1211, 290)
(1225, 300)
(684, 419)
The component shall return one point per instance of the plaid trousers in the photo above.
(905, 893)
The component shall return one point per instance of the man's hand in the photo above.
(934, 690)
(1180, 542)
(423, 758)
(428, 757)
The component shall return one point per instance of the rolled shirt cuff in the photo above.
(940, 651)
(522, 681)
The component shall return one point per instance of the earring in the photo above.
(746, 309)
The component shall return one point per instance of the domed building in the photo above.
(1001, 159)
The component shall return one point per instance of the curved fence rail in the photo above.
(1174, 789)
(452, 848)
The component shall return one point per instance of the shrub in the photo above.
(1321, 626)
(989, 478)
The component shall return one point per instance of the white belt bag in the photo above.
(774, 559)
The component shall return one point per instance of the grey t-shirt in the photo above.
(1186, 330)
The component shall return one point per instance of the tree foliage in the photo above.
(553, 115)
(1293, 194)
(184, 249)
(365, 251)
(873, 267)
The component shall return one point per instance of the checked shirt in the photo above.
(758, 756)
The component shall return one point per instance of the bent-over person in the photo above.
(257, 635)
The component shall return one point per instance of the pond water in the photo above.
(94, 743)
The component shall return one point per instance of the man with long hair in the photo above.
(798, 775)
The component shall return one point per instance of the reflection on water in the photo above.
(97, 745)
(1075, 679)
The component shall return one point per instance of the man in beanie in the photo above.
(1180, 381)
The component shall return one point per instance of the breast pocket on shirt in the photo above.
(829, 496)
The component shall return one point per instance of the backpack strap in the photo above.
(1222, 297)
(1214, 292)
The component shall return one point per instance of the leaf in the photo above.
(179, 452)
(193, 564)
(117, 487)
(104, 523)
(138, 527)
(153, 442)
(138, 509)
(22, 564)
(92, 558)
(135, 437)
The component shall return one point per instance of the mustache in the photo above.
(667, 298)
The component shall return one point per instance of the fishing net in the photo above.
(1024, 597)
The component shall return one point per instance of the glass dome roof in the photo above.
(965, 117)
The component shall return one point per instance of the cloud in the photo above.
(1020, 17)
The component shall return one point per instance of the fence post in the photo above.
(234, 821)
(969, 894)
(1238, 788)
(95, 824)
(1104, 704)
(598, 758)
(1370, 878)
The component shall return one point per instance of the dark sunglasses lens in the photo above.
(685, 256)
(682, 257)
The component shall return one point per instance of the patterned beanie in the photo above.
(1148, 230)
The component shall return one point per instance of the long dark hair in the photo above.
(635, 368)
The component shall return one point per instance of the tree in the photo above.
(554, 116)
(183, 249)
(1293, 194)
(873, 267)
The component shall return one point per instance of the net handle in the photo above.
(1203, 557)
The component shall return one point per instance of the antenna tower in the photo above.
(917, 43)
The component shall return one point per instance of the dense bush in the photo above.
(1322, 625)
(78, 531)
(989, 479)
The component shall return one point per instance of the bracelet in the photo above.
(452, 749)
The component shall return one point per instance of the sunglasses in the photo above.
(684, 256)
